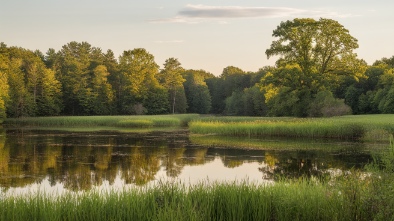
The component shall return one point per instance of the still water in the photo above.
(57, 161)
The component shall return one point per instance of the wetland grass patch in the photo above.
(296, 200)
(145, 121)
(360, 127)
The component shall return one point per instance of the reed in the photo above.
(365, 127)
(301, 199)
(101, 121)
(312, 129)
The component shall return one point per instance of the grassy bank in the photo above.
(145, 121)
(290, 200)
(354, 127)
(366, 127)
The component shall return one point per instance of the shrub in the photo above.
(325, 105)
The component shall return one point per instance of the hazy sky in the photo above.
(209, 35)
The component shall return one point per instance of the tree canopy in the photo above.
(314, 55)
(322, 49)
(171, 78)
(317, 73)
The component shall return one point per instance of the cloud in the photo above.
(203, 11)
(193, 14)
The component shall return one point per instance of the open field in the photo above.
(355, 127)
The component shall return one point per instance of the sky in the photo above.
(208, 35)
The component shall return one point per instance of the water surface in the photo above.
(56, 161)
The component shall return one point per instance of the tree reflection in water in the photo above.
(82, 160)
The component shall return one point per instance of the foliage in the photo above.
(315, 56)
(138, 73)
(4, 87)
(32, 88)
(234, 104)
(84, 75)
(249, 102)
(197, 92)
(389, 62)
(235, 80)
(216, 90)
(181, 106)
(325, 105)
(254, 102)
(360, 95)
(157, 101)
(170, 77)
(323, 50)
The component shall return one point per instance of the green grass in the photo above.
(352, 127)
(286, 200)
(356, 127)
(104, 121)
(297, 201)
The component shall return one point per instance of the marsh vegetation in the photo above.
(323, 178)
(361, 127)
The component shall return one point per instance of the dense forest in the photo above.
(317, 74)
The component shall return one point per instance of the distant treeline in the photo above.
(321, 76)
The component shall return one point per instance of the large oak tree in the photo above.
(323, 49)
(314, 55)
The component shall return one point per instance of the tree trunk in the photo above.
(173, 102)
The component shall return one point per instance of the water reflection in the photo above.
(80, 161)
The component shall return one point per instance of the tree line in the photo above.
(317, 74)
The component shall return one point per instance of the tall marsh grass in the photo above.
(366, 127)
(292, 200)
(312, 129)
(100, 121)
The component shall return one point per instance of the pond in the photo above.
(58, 161)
